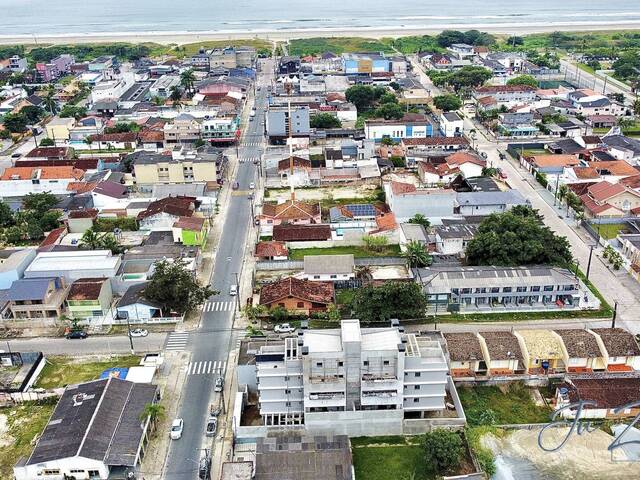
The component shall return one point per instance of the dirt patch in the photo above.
(583, 457)
(5, 438)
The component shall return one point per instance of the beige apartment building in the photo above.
(185, 129)
(153, 169)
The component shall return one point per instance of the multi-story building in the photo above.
(412, 126)
(20, 181)
(152, 168)
(184, 129)
(163, 85)
(220, 130)
(18, 64)
(361, 63)
(350, 380)
(55, 68)
(278, 123)
(507, 95)
(501, 288)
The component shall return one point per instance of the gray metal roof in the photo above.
(509, 197)
(134, 295)
(414, 232)
(328, 264)
(464, 231)
(98, 420)
(29, 289)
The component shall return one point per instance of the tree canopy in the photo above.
(443, 450)
(447, 103)
(524, 80)
(175, 288)
(389, 300)
(325, 120)
(466, 77)
(517, 237)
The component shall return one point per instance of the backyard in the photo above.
(18, 427)
(609, 230)
(511, 404)
(62, 371)
(358, 252)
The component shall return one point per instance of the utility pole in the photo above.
(237, 291)
(589, 262)
(615, 314)
(129, 334)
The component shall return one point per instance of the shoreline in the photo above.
(183, 37)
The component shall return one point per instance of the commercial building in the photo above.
(95, 430)
(74, 265)
(278, 124)
(350, 380)
(13, 266)
(412, 126)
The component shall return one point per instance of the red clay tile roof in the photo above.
(399, 188)
(618, 342)
(48, 152)
(463, 347)
(194, 224)
(552, 160)
(53, 237)
(385, 222)
(178, 206)
(460, 158)
(46, 173)
(271, 249)
(315, 292)
(486, 101)
(631, 182)
(586, 173)
(151, 136)
(579, 343)
(291, 210)
(89, 213)
(301, 233)
(298, 162)
(595, 208)
(86, 289)
(81, 187)
(608, 393)
(603, 191)
(616, 167)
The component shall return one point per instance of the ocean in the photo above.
(77, 17)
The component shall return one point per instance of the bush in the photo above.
(443, 450)
(126, 224)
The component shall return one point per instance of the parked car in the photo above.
(233, 290)
(139, 332)
(219, 384)
(76, 334)
(16, 155)
(236, 185)
(212, 426)
(502, 174)
(252, 186)
(284, 328)
(176, 429)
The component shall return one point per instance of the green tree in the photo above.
(512, 239)
(154, 412)
(362, 96)
(199, 143)
(279, 314)
(636, 107)
(91, 239)
(13, 235)
(123, 127)
(73, 111)
(447, 103)
(524, 80)
(388, 141)
(175, 288)
(15, 122)
(443, 450)
(176, 94)
(420, 219)
(49, 220)
(32, 113)
(49, 101)
(390, 111)
(489, 171)
(6, 215)
(515, 41)
(389, 300)
(325, 120)
(449, 37)
(39, 202)
(188, 80)
(47, 142)
(387, 97)
(416, 255)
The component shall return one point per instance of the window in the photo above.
(535, 289)
(495, 289)
(318, 364)
(417, 374)
(340, 364)
(416, 387)
(548, 288)
(287, 391)
(521, 289)
(506, 290)
(366, 363)
(466, 290)
(386, 362)
(51, 471)
(73, 470)
(300, 304)
(316, 277)
(416, 400)
(333, 276)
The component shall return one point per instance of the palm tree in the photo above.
(175, 94)
(563, 191)
(91, 239)
(416, 255)
(88, 141)
(50, 102)
(152, 411)
(187, 80)
(420, 219)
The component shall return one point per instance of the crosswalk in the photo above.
(251, 144)
(177, 341)
(219, 306)
(207, 367)
(249, 159)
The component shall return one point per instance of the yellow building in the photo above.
(542, 350)
(58, 128)
(153, 168)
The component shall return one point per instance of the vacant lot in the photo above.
(609, 230)
(18, 427)
(496, 406)
(397, 462)
(63, 371)
(358, 252)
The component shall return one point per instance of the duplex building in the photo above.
(350, 380)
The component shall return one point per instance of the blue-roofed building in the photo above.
(37, 299)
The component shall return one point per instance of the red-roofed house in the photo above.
(606, 199)
(20, 181)
(442, 173)
(296, 295)
(272, 251)
(469, 164)
(190, 231)
(162, 214)
(291, 211)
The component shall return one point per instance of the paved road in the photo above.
(211, 344)
(104, 344)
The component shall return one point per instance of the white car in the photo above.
(139, 332)
(284, 328)
(252, 186)
(176, 429)
(233, 289)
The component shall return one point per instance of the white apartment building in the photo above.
(350, 380)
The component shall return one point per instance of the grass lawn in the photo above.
(609, 230)
(358, 252)
(344, 296)
(23, 424)
(390, 463)
(337, 45)
(62, 371)
(491, 405)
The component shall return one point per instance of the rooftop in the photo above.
(502, 345)
(78, 260)
(608, 393)
(618, 342)
(315, 292)
(328, 264)
(86, 289)
(463, 347)
(541, 344)
(292, 233)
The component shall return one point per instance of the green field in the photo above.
(338, 45)
(609, 230)
(390, 463)
(62, 371)
(493, 406)
(358, 252)
(24, 423)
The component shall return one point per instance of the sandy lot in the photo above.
(583, 457)
(308, 194)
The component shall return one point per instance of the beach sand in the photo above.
(166, 38)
